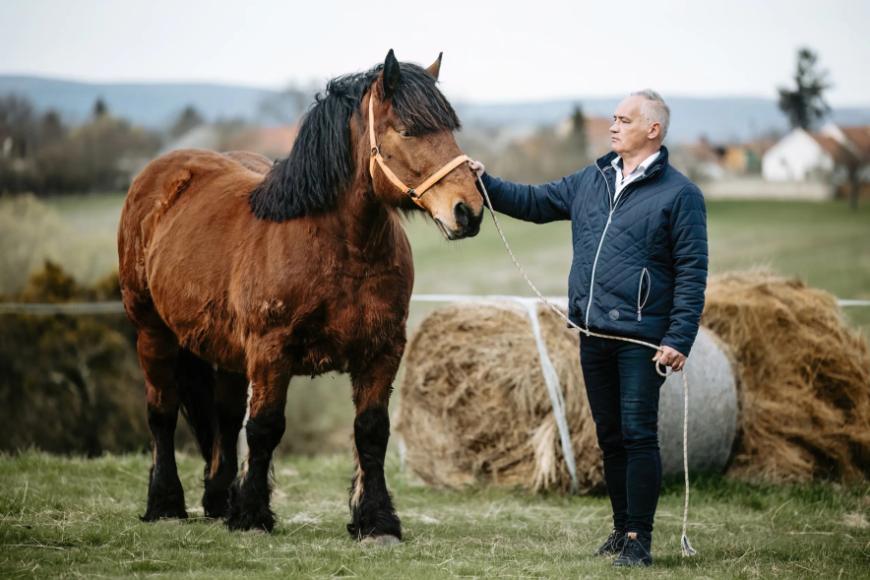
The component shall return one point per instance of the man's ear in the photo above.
(654, 131)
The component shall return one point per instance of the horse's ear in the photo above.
(391, 75)
(435, 68)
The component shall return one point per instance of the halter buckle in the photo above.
(375, 151)
(412, 192)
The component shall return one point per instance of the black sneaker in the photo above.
(612, 545)
(635, 552)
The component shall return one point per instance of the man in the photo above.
(639, 270)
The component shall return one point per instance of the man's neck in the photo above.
(630, 160)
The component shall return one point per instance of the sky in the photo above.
(493, 51)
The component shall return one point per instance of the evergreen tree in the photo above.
(187, 120)
(577, 139)
(101, 109)
(805, 104)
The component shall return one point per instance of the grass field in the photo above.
(78, 518)
(75, 517)
(825, 244)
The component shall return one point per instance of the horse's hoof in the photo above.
(152, 515)
(384, 541)
(262, 519)
(215, 505)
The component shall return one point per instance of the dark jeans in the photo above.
(623, 390)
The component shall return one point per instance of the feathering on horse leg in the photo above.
(371, 507)
(230, 406)
(158, 356)
(263, 427)
(195, 380)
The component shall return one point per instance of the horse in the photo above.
(239, 274)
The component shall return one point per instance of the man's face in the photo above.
(630, 130)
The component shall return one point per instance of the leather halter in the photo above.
(415, 193)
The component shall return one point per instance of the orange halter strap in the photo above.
(415, 193)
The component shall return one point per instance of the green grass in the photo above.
(825, 244)
(78, 518)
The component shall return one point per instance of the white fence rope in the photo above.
(551, 378)
(94, 308)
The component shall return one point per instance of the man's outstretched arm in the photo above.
(534, 203)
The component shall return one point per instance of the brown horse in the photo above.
(240, 274)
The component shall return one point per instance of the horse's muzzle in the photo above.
(468, 224)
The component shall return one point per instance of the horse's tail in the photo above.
(196, 385)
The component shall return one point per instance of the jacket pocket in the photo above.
(644, 285)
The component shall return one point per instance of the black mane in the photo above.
(321, 164)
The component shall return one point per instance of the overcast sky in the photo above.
(493, 51)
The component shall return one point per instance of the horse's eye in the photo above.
(404, 133)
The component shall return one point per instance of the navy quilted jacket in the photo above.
(640, 265)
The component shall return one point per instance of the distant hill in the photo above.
(152, 105)
(157, 105)
(720, 119)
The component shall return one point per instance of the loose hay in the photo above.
(805, 378)
(474, 406)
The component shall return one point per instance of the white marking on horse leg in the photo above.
(242, 443)
(357, 493)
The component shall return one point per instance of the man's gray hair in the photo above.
(655, 109)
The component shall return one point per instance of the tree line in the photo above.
(41, 153)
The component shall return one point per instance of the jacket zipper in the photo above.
(613, 207)
(642, 302)
(600, 244)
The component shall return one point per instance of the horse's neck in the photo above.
(367, 225)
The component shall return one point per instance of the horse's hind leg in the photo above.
(372, 512)
(230, 398)
(158, 354)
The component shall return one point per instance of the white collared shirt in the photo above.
(639, 171)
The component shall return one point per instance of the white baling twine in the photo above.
(556, 393)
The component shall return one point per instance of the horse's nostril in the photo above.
(463, 214)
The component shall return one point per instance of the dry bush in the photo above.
(69, 384)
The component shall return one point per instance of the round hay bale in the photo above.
(474, 406)
(713, 409)
(804, 375)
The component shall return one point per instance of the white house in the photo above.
(803, 156)
(826, 155)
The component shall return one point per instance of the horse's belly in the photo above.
(188, 291)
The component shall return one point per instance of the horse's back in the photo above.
(164, 179)
(197, 262)
(184, 191)
(253, 161)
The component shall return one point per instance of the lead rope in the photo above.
(685, 545)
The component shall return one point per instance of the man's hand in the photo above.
(477, 167)
(670, 358)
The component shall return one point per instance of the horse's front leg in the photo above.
(372, 513)
(262, 429)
